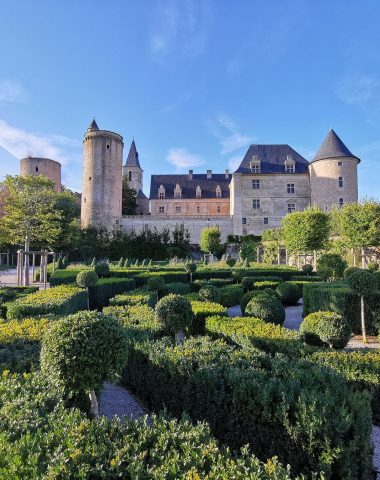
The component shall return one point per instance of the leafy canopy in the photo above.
(210, 239)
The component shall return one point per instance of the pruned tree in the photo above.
(210, 239)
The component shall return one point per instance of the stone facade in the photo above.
(191, 207)
(42, 166)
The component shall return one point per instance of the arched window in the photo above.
(177, 191)
(198, 192)
(161, 192)
(218, 192)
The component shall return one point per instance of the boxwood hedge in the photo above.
(135, 297)
(107, 288)
(201, 311)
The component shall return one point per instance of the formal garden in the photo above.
(227, 386)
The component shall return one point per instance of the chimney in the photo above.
(227, 174)
(190, 174)
(209, 173)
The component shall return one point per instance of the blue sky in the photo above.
(194, 81)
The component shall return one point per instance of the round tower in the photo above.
(333, 174)
(102, 178)
(42, 166)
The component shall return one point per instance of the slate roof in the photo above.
(208, 185)
(133, 156)
(272, 159)
(333, 147)
(93, 125)
(141, 194)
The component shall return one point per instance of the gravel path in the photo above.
(293, 316)
(234, 311)
(116, 400)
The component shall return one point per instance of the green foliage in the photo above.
(102, 269)
(60, 300)
(230, 295)
(247, 283)
(362, 282)
(325, 328)
(127, 263)
(307, 269)
(51, 439)
(269, 402)
(129, 199)
(87, 278)
(305, 231)
(120, 263)
(373, 267)
(60, 264)
(174, 314)
(209, 293)
(177, 288)
(230, 262)
(135, 297)
(246, 298)
(82, 351)
(167, 275)
(155, 283)
(271, 240)
(289, 293)
(331, 265)
(107, 288)
(210, 239)
(191, 267)
(266, 308)
(265, 285)
(201, 311)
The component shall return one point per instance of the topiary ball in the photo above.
(190, 267)
(373, 267)
(231, 262)
(82, 351)
(362, 282)
(209, 293)
(331, 261)
(289, 293)
(247, 283)
(155, 284)
(329, 328)
(307, 269)
(87, 279)
(174, 314)
(247, 297)
(266, 308)
(348, 271)
(102, 269)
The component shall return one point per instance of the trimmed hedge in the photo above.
(267, 308)
(167, 276)
(210, 273)
(337, 297)
(217, 282)
(289, 293)
(266, 284)
(275, 274)
(107, 288)
(201, 311)
(135, 297)
(63, 277)
(49, 441)
(177, 288)
(305, 414)
(231, 295)
(62, 300)
(326, 329)
(8, 294)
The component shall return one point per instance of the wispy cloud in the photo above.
(12, 91)
(234, 162)
(229, 135)
(359, 89)
(181, 158)
(179, 28)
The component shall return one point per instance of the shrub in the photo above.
(331, 262)
(121, 262)
(230, 262)
(191, 267)
(87, 278)
(168, 276)
(209, 293)
(230, 295)
(135, 297)
(325, 328)
(60, 264)
(289, 293)
(82, 351)
(307, 269)
(266, 285)
(201, 311)
(62, 300)
(362, 282)
(246, 298)
(325, 272)
(102, 269)
(177, 288)
(174, 314)
(247, 283)
(348, 271)
(155, 284)
(107, 288)
(266, 308)
(373, 266)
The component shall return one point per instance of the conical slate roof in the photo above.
(333, 147)
(133, 156)
(93, 125)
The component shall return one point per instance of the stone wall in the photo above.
(207, 207)
(193, 224)
(42, 166)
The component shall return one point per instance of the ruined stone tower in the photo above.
(333, 174)
(42, 166)
(102, 178)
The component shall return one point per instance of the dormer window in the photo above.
(255, 164)
(177, 191)
(218, 192)
(198, 192)
(290, 165)
(161, 192)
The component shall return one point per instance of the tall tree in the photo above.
(129, 199)
(210, 239)
(30, 212)
(358, 225)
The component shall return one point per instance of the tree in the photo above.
(31, 213)
(174, 314)
(129, 199)
(87, 279)
(272, 242)
(67, 203)
(81, 352)
(358, 225)
(210, 239)
(333, 263)
(363, 283)
(191, 267)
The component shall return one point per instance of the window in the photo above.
(84, 200)
(108, 146)
(340, 181)
(291, 207)
(198, 192)
(341, 202)
(290, 168)
(161, 192)
(36, 169)
(161, 209)
(244, 221)
(290, 164)
(255, 168)
(89, 178)
(256, 184)
(129, 176)
(256, 203)
(177, 209)
(218, 209)
(290, 187)
(177, 191)
(340, 164)
(198, 208)
(266, 220)
(218, 192)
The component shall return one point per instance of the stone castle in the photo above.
(271, 181)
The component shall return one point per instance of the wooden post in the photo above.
(53, 262)
(286, 257)
(363, 258)
(315, 259)
(45, 268)
(278, 256)
(34, 267)
(22, 266)
(18, 268)
(258, 254)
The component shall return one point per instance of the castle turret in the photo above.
(333, 174)
(132, 169)
(42, 166)
(102, 178)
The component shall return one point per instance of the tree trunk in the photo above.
(88, 299)
(191, 277)
(94, 410)
(27, 247)
(315, 260)
(363, 258)
(362, 314)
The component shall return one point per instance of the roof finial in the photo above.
(93, 125)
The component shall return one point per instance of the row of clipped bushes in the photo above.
(9, 294)
(49, 441)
